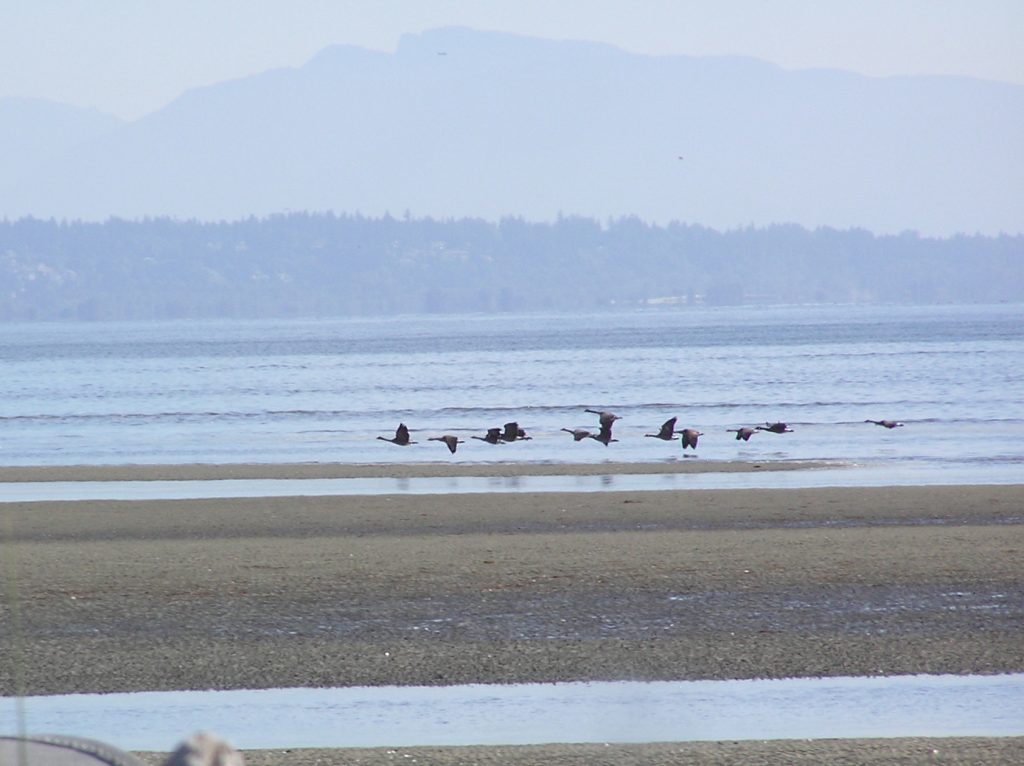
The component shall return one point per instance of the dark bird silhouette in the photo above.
(742, 433)
(775, 428)
(605, 418)
(514, 433)
(667, 431)
(401, 437)
(885, 423)
(493, 436)
(452, 442)
(690, 436)
(604, 435)
(579, 434)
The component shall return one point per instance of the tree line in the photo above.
(306, 264)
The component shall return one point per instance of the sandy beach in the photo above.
(499, 588)
(389, 470)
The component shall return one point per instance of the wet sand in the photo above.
(668, 585)
(390, 471)
(872, 752)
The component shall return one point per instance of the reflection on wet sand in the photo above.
(845, 476)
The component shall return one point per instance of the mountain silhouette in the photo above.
(510, 125)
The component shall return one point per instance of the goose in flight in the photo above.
(401, 437)
(452, 442)
(885, 423)
(604, 435)
(514, 433)
(493, 436)
(667, 431)
(742, 433)
(579, 434)
(605, 418)
(690, 436)
(775, 428)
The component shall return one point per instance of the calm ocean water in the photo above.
(322, 390)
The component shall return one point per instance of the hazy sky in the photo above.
(130, 57)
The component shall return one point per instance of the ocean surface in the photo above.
(322, 390)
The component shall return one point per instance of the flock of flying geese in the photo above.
(688, 436)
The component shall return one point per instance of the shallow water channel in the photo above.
(480, 714)
(846, 476)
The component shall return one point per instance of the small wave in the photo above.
(960, 461)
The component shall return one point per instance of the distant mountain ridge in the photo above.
(463, 123)
(34, 130)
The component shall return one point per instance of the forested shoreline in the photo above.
(304, 264)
